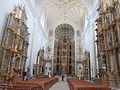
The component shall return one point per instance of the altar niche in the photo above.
(64, 51)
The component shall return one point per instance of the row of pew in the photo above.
(75, 84)
(36, 84)
(18, 86)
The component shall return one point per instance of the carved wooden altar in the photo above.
(64, 56)
(14, 44)
(39, 66)
(86, 64)
(108, 39)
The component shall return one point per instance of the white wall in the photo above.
(36, 39)
(89, 37)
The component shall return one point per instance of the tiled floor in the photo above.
(60, 86)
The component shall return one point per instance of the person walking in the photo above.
(24, 75)
(63, 77)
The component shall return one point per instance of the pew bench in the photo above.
(43, 83)
(18, 87)
(75, 84)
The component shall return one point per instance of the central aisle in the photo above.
(60, 86)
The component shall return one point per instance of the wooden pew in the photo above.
(37, 84)
(43, 83)
(18, 87)
(75, 84)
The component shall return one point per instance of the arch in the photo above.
(64, 30)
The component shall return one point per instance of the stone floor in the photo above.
(60, 86)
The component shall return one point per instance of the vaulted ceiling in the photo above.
(54, 12)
